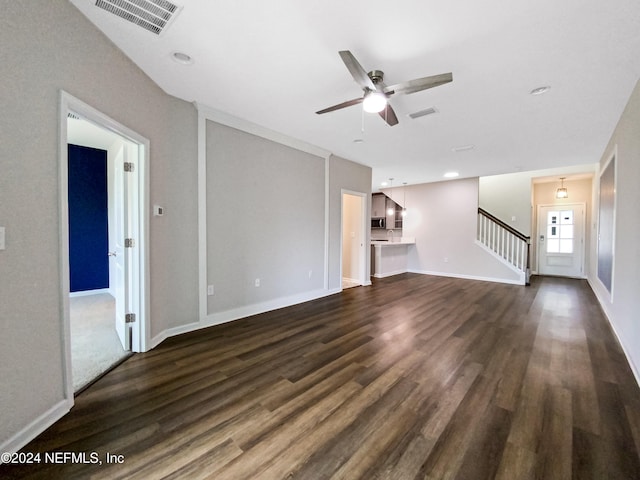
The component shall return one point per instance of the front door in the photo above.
(561, 240)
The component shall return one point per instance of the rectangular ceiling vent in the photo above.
(422, 113)
(152, 15)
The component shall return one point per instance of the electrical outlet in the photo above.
(257, 282)
(446, 259)
(209, 289)
(158, 211)
(310, 273)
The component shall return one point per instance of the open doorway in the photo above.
(103, 230)
(95, 346)
(353, 239)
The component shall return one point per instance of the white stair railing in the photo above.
(504, 241)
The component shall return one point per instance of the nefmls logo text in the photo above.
(71, 457)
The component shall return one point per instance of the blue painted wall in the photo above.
(88, 219)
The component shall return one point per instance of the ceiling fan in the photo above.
(376, 93)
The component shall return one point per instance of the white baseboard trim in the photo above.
(468, 277)
(390, 274)
(608, 315)
(36, 427)
(86, 293)
(243, 312)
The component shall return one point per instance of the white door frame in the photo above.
(140, 330)
(560, 206)
(365, 228)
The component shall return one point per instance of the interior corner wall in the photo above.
(53, 47)
(511, 194)
(265, 221)
(442, 217)
(623, 305)
(508, 197)
(347, 175)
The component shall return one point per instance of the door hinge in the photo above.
(130, 318)
(128, 167)
(129, 243)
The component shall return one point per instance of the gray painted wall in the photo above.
(622, 310)
(516, 189)
(55, 48)
(265, 219)
(44, 50)
(346, 175)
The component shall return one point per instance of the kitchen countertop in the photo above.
(388, 243)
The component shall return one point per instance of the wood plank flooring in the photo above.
(415, 377)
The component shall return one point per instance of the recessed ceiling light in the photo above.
(451, 174)
(384, 184)
(540, 90)
(182, 58)
(358, 140)
(463, 148)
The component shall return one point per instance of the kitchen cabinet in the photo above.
(378, 205)
(390, 258)
(394, 220)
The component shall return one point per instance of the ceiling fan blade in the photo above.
(358, 73)
(419, 84)
(348, 103)
(388, 115)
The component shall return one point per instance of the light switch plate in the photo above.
(2, 244)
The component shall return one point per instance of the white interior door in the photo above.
(561, 240)
(120, 254)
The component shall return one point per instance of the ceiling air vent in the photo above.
(152, 15)
(422, 113)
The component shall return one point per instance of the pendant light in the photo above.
(562, 191)
(404, 199)
(390, 210)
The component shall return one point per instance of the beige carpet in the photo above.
(95, 346)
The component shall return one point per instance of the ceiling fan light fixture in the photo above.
(374, 102)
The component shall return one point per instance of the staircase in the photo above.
(504, 242)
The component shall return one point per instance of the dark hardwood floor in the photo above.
(415, 377)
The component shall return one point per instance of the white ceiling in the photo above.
(276, 63)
